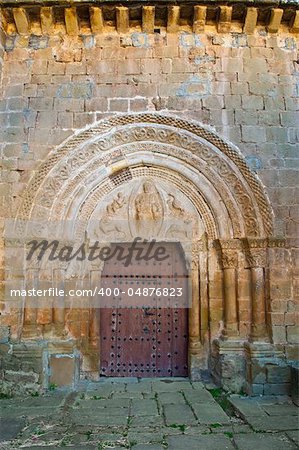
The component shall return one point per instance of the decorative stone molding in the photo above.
(81, 156)
(87, 16)
(228, 252)
(229, 259)
(255, 252)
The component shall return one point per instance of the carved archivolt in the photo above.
(102, 156)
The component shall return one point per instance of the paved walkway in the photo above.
(148, 415)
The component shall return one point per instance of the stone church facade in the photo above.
(181, 117)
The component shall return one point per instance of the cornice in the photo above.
(75, 17)
(13, 3)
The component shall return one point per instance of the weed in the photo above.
(181, 427)
(228, 434)
(215, 425)
(216, 392)
(2, 395)
(34, 394)
(130, 420)
(52, 386)
(88, 434)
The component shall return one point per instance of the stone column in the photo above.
(194, 316)
(256, 260)
(2, 42)
(229, 260)
(194, 310)
(227, 356)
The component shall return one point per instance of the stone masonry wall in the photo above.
(245, 87)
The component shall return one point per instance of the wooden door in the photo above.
(149, 340)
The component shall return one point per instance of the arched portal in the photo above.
(155, 176)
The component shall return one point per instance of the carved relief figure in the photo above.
(176, 210)
(148, 203)
(116, 204)
(107, 224)
(148, 208)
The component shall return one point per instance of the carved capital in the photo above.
(255, 251)
(256, 258)
(228, 252)
(229, 259)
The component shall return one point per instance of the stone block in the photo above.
(10, 428)
(264, 441)
(129, 67)
(255, 65)
(277, 134)
(295, 384)
(68, 105)
(245, 117)
(65, 119)
(182, 415)
(232, 65)
(292, 334)
(20, 376)
(121, 105)
(279, 334)
(138, 104)
(100, 67)
(81, 119)
(62, 370)
(268, 118)
(253, 134)
(277, 389)
(252, 102)
(278, 373)
(201, 441)
(289, 119)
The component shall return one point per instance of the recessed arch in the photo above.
(106, 148)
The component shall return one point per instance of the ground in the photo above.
(148, 414)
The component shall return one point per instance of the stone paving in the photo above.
(148, 415)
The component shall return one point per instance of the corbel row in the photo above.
(24, 20)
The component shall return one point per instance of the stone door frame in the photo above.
(211, 172)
